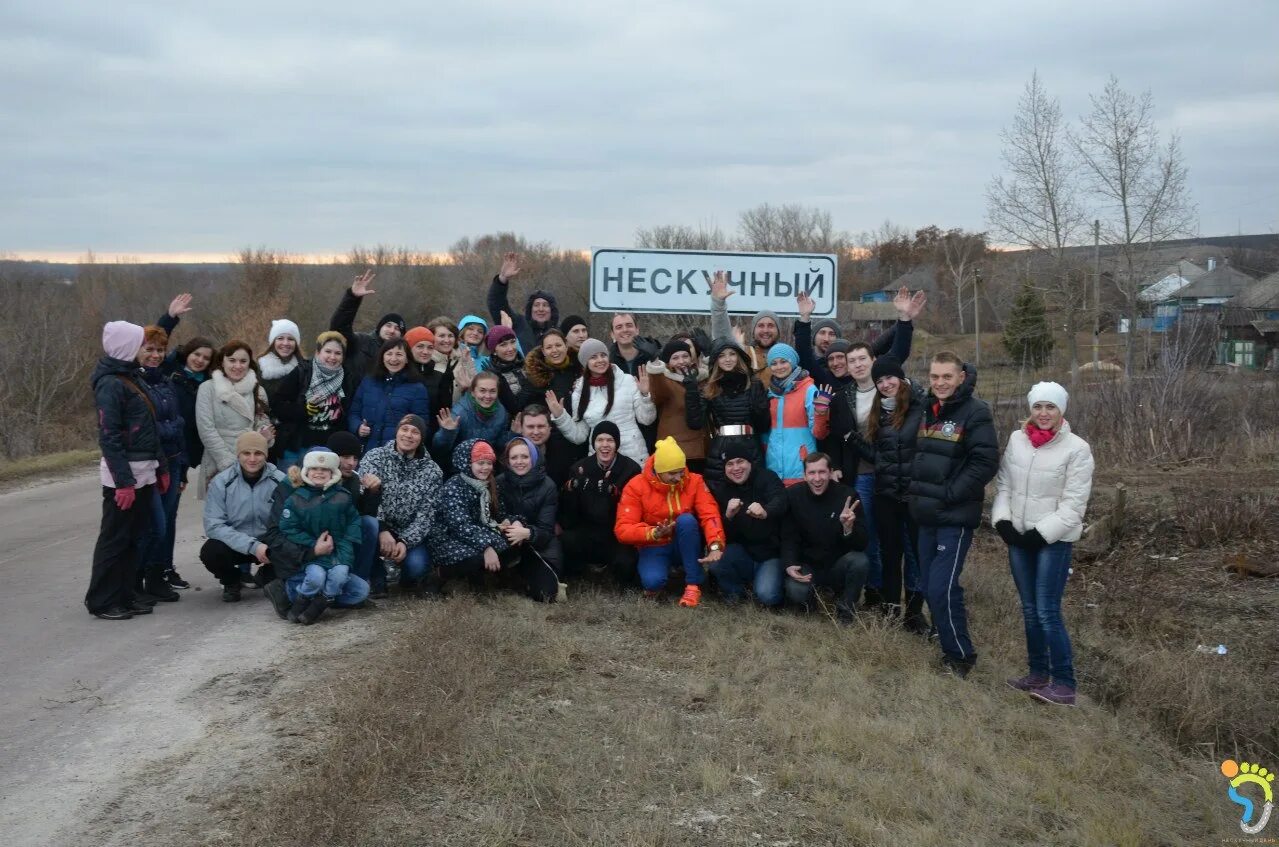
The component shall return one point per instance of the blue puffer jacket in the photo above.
(169, 423)
(383, 403)
(495, 429)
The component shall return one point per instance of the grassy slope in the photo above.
(608, 721)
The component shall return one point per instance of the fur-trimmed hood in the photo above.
(541, 372)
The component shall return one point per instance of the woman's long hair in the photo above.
(713, 389)
(226, 350)
(611, 383)
(904, 396)
(195, 344)
(378, 369)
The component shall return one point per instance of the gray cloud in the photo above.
(144, 127)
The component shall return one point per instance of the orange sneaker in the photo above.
(692, 596)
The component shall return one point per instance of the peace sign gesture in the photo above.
(849, 515)
(360, 288)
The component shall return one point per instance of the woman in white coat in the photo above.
(1041, 493)
(230, 403)
(611, 395)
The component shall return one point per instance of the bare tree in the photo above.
(958, 253)
(678, 237)
(790, 228)
(1037, 203)
(1140, 184)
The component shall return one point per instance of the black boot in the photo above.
(274, 591)
(318, 604)
(295, 612)
(914, 621)
(431, 587)
(158, 587)
(231, 592)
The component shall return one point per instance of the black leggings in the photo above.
(896, 529)
(538, 575)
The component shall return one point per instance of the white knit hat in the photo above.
(283, 326)
(1048, 392)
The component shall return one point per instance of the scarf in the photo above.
(485, 412)
(324, 396)
(888, 404)
(273, 368)
(597, 380)
(486, 503)
(1039, 437)
(732, 382)
(195, 376)
(240, 396)
(783, 387)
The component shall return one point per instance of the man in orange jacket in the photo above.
(665, 510)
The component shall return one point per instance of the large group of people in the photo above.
(521, 451)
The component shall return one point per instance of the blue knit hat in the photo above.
(783, 351)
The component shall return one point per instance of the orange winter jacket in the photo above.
(647, 501)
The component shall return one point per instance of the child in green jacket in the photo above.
(320, 513)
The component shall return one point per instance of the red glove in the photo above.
(124, 498)
(163, 482)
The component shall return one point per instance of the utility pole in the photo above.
(977, 313)
(1096, 295)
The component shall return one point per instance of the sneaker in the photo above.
(1057, 694)
(115, 613)
(692, 596)
(1029, 682)
(231, 593)
(140, 608)
(161, 590)
(175, 580)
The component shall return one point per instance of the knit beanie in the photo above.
(482, 450)
(1048, 392)
(675, 345)
(839, 345)
(330, 335)
(783, 351)
(497, 335)
(886, 366)
(606, 428)
(251, 440)
(391, 318)
(737, 448)
(759, 316)
(416, 422)
(667, 456)
(320, 457)
(345, 443)
(122, 340)
(827, 323)
(571, 321)
(283, 326)
(417, 335)
(589, 348)
(467, 320)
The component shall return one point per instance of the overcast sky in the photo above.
(205, 127)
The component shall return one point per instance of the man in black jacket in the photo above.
(588, 508)
(752, 500)
(822, 540)
(541, 311)
(956, 454)
(362, 347)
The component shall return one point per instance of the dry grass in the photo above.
(606, 721)
(48, 463)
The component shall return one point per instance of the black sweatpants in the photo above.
(584, 547)
(115, 556)
(537, 575)
(224, 563)
(891, 516)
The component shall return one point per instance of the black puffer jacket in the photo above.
(742, 401)
(532, 500)
(527, 331)
(588, 500)
(893, 450)
(762, 537)
(956, 454)
(185, 388)
(126, 426)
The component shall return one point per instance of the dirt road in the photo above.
(113, 732)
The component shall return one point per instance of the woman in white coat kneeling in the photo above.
(604, 392)
(1041, 493)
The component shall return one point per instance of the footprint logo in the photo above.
(1238, 774)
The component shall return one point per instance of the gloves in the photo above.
(821, 402)
(124, 498)
(1032, 540)
(163, 482)
(1011, 536)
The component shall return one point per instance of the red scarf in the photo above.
(597, 379)
(1038, 437)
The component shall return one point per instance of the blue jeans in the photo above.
(865, 487)
(736, 568)
(162, 553)
(150, 542)
(655, 562)
(1041, 581)
(353, 592)
(942, 551)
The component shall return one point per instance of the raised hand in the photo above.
(179, 305)
(719, 287)
(805, 303)
(909, 306)
(447, 419)
(821, 402)
(642, 378)
(506, 320)
(362, 286)
(740, 337)
(510, 267)
(554, 405)
(849, 514)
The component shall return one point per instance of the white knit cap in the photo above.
(283, 326)
(1048, 392)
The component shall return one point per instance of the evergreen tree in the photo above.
(1027, 336)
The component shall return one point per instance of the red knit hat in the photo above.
(483, 450)
(417, 335)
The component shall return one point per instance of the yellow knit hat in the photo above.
(668, 457)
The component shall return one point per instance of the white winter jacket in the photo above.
(225, 410)
(1044, 488)
(630, 409)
